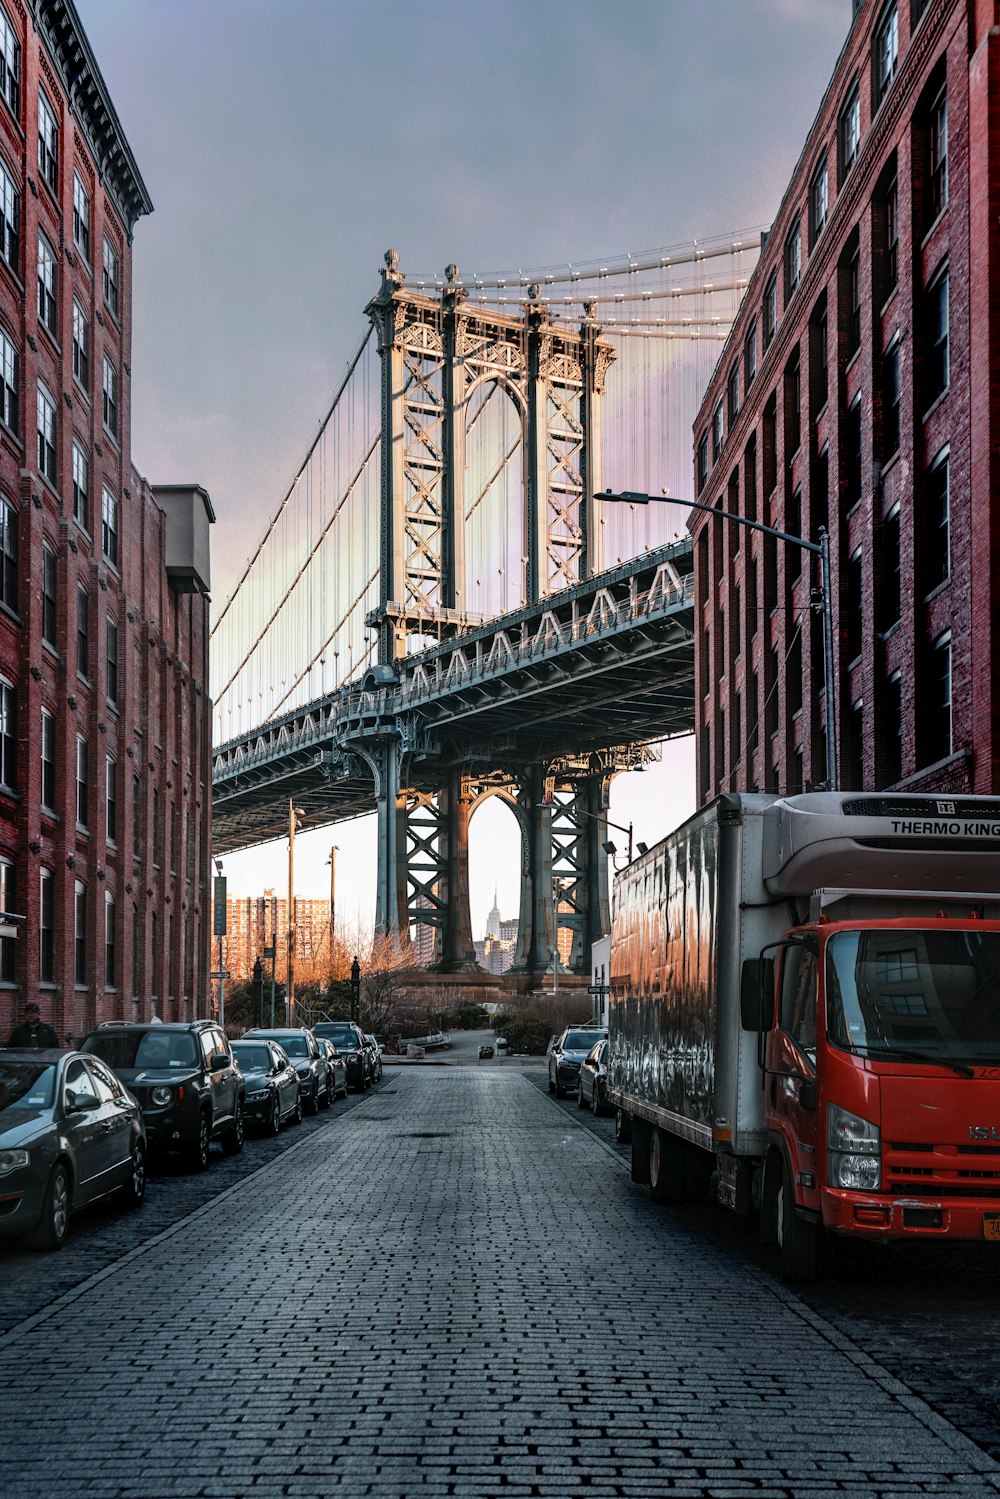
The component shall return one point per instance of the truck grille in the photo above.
(922, 806)
(911, 1169)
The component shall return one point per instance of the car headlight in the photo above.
(854, 1147)
(162, 1095)
(257, 1093)
(12, 1160)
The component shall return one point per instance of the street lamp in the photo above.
(219, 929)
(332, 861)
(821, 549)
(295, 819)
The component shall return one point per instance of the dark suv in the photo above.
(350, 1042)
(308, 1061)
(187, 1084)
(569, 1051)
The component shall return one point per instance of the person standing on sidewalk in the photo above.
(33, 1032)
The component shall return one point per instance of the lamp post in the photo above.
(295, 816)
(355, 988)
(332, 861)
(821, 549)
(219, 927)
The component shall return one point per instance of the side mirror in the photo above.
(81, 1103)
(218, 1060)
(750, 994)
(807, 1094)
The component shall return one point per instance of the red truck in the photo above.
(805, 1016)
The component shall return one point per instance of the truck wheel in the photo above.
(797, 1237)
(666, 1166)
(640, 1152)
(623, 1127)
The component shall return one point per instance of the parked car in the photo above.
(568, 1053)
(273, 1095)
(336, 1066)
(375, 1054)
(350, 1042)
(307, 1059)
(593, 1080)
(189, 1088)
(70, 1133)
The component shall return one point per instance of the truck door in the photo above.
(792, 1063)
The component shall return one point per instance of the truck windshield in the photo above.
(928, 992)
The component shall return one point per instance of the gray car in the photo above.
(567, 1056)
(70, 1133)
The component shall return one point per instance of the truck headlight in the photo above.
(854, 1150)
(12, 1160)
(162, 1096)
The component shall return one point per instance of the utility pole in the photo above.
(332, 861)
(294, 815)
(272, 951)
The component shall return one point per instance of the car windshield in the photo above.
(578, 1041)
(932, 992)
(149, 1050)
(26, 1085)
(341, 1039)
(252, 1056)
(293, 1046)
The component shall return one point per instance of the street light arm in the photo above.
(630, 497)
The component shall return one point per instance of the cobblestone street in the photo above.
(451, 1289)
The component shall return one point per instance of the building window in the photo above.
(46, 284)
(819, 356)
(10, 64)
(154, 953)
(750, 354)
(10, 219)
(111, 664)
(8, 734)
(172, 838)
(8, 375)
(111, 799)
(793, 405)
(852, 301)
(8, 906)
(81, 487)
(819, 200)
(885, 51)
(110, 955)
(702, 464)
(936, 529)
(82, 631)
(892, 731)
(81, 345)
(937, 338)
(46, 926)
(717, 432)
(891, 592)
(136, 935)
(8, 554)
(937, 718)
(849, 131)
(109, 526)
(48, 143)
(854, 605)
(110, 387)
(733, 395)
(793, 259)
(79, 932)
(111, 277)
(938, 155)
(852, 453)
(48, 760)
(770, 309)
(82, 779)
(890, 402)
(890, 247)
(769, 436)
(81, 217)
(793, 526)
(46, 434)
(136, 817)
(156, 827)
(49, 596)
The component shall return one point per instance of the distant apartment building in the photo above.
(105, 783)
(255, 923)
(858, 392)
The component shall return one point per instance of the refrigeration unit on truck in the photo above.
(805, 1013)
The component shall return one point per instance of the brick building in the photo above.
(252, 921)
(858, 392)
(105, 786)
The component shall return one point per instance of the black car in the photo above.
(337, 1067)
(375, 1054)
(568, 1053)
(307, 1059)
(273, 1094)
(350, 1042)
(188, 1086)
(69, 1135)
(593, 1081)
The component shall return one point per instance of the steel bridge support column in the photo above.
(458, 953)
(391, 912)
(453, 480)
(588, 892)
(596, 359)
(387, 318)
(536, 928)
(536, 467)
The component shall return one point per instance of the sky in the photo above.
(287, 143)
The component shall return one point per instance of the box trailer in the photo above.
(805, 1013)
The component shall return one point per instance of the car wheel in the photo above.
(199, 1153)
(232, 1140)
(297, 1115)
(134, 1189)
(581, 1102)
(274, 1118)
(312, 1102)
(326, 1099)
(552, 1086)
(54, 1226)
(623, 1127)
(798, 1238)
(595, 1102)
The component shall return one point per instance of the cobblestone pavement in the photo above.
(455, 1292)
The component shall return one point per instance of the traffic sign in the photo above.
(222, 973)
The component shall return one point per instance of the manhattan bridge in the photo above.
(441, 609)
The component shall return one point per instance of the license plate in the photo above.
(991, 1226)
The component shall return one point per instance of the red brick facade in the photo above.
(874, 410)
(103, 826)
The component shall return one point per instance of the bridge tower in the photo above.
(436, 351)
